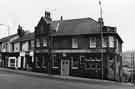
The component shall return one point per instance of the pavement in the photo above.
(65, 78)
(10, 80)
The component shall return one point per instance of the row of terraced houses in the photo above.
(80, 47)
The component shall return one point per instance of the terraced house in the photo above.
(24, 46)
(16, 51)
(6, 49)
(77, 47)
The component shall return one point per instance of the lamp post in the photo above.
(6, 26)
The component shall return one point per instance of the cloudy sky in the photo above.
(119, 13)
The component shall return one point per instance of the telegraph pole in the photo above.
(101, 31)
(132, 74)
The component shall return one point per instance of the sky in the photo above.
(27, 13)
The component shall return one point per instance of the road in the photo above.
(16, 81)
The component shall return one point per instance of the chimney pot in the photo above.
(47, 14)
(61, 18)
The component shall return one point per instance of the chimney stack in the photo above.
(47, 15)
(61, 18)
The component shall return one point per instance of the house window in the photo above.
(90, 65)
(55, 62)
(37, 61)
(44, 43)
(44, 61)
(111, 41)
(37, 43)
(92, 43)
(104, 42)
(3, 46)
(74, 43)
(75, 62)
(32, 43)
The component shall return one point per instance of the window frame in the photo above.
(94, 43)
(38, 43)
(44, 40)
(74, 43)
(73, 65)
(111, 42)
(55, 62)
(105, 42)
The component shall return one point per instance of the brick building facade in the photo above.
(77, 47)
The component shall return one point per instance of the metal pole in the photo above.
(100, 8)
(102, 52)
(133, 68)
(49, 51)
(101, 26)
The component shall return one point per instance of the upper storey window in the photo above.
(44, 43)
(37, 43)
(111, 41)
(74, 43)
(32, 43)
(104, 42)
(92, 42)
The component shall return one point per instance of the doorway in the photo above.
(65, 67)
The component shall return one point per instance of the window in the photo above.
(55, 61)
(32, 43)
(90, 65)
(75, 62)
(37, 43)
(92, 43)
(38, 63)
(3, 46)
(44, 43)
(104, 42)
(12, 60)
(111, 42)
(44, 61)
(74, 43)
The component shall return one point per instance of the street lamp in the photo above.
(6, 26)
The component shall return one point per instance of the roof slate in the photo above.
(75, 26)
(7, 38)
(28, 36)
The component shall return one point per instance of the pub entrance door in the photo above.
(65, 67)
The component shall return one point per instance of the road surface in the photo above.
(16, 81)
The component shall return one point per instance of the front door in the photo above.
(22, 62)
(65, 67)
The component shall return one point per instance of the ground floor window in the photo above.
(44, 61)
(38, 61)
(55, 61)
(75, 62)
(91, 63)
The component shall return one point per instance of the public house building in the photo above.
(77, 47)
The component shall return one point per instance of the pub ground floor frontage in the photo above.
(4, 58)
(89, 65)
(17, 60)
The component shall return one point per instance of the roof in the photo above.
(75, 26)
(28, 36)
(6, 39)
